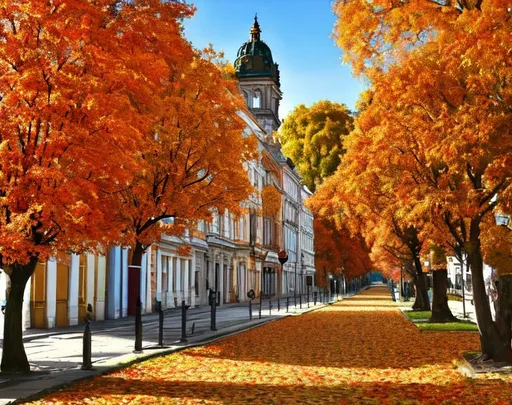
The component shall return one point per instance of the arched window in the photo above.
(256, 98)
(246, 96)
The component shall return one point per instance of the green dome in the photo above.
(254, 58)
(256, 48)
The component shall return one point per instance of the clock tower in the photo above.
(258, 77)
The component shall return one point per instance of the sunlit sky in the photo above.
(298, 33)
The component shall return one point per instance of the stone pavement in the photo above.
(55, 355)
(458, 310)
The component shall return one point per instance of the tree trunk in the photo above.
(422, 302)
(441, 312)
(14, 358)
(495, 346)
(504, 309)
(134, 274)
(419, 302)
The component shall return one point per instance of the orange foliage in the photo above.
(111, 121)
(497, 248)
(438, 121)
(271, 200)
(376, 33)
(372, 361)
(192, 160)
(337, 252)
(72, 97)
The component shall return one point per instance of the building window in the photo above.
(165, 265)
(256, 99)
(215, 223)
(226, 227)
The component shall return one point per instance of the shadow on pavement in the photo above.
(153, 391)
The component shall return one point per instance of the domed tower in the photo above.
(258, 76)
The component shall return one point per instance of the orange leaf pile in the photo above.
(359, 351)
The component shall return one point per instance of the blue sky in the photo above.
(297, 32)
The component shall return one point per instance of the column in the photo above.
(25, 320)
(170, 274)
(99, 297)
(158, 275)
(211, 276)
(90, 263)
(243, 280)
(51, 292)
(193, 265)
(124, 278)
(178, 293)
(143, 280)
(73, 289)
(186, 282)
(234, 278)
(149, 297)
(221, 277)
(114, 283)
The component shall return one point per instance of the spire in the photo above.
(255, 30)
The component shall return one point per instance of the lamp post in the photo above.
(282, 256)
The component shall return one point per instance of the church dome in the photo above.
(254, 58)
(256, 48)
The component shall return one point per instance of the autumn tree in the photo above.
(440, 310)
(340, 248)
(111, 121)
(374, 34)
(366, 191)
(313, 138)
(452, 119)
(338, 253)
(75, 79)
(191, 164)
(443, 68)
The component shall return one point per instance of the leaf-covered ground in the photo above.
(360, 351)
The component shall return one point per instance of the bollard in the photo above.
(183, 322)
(287, 303)
(295, 299)
(160, 324)
(213, 314)
(278, 305)
(300, 301)
(250, 310)
(138, 326)
(308, 297)
(261, 301)
(314, 298)
(269, 307)
(87, 355)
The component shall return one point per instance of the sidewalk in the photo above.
(55, 355)
(458, 310)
